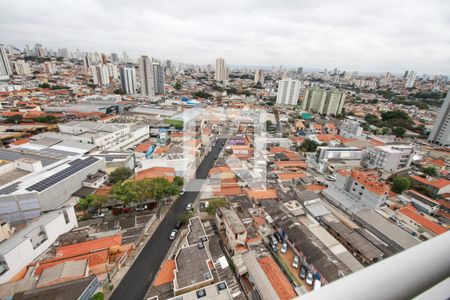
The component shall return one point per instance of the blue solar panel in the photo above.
(75, 166)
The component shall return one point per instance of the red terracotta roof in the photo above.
(437, 183)
(20, 142)
(85, 247)
(289, 176)
(262, 194)
(410, 212)
(276, 277)
(166, 273)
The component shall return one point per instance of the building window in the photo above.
(66, 216)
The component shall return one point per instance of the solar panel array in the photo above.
(75, 166)
(9, 189)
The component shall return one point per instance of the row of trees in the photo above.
(130, 192)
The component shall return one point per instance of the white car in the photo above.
(330, 178)
(173, 234)
(295, 262)
(182, 192)
(309, 278)
(189, 207)
(284, 248)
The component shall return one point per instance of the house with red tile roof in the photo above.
(433, 185)
(293, 165)
(330, 128)
(258, 195)
(418, 221)
(156, 172)
(277, 279)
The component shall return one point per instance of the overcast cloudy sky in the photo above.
(382, 35)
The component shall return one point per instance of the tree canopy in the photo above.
(120, 174)
(308, 145)
(430, 170)
(400, 184)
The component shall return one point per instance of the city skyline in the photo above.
(353, 36)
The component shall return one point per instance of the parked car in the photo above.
(202, 206)
(178, 225)
(330, 178)
(278, 237)
(309, 278)
(173, 234)
(182, 192)
(295, 262)
(317, 282)
(98, 215)
(284, 248)
(189, 207)
(302, 272)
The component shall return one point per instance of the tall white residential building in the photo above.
(21, 67)
(113, 71)
(221, 71)
(288, 91)
(158, 77)
(128, 79)
(259, 76)
(440, 134)
(389, 157)
(100, 74)
(87, 62)
(324, 101)
(410, 79)
(5, 67)
(146, 76)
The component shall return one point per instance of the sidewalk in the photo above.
(115, 280)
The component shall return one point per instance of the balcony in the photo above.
(419, 271)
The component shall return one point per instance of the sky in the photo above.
(368, 36)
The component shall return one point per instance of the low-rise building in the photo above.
(235, 231)
(27, 244)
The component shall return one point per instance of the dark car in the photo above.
(278, 237)
(302, 273)
(178, 225)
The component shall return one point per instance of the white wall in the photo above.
(23, 253)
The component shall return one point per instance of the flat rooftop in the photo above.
(192, 266)
(196, 231)
(386, 228)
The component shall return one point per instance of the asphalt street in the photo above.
(139, 277)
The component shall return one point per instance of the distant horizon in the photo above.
(376, 36)
(260, 66)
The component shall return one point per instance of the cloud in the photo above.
(353, 35)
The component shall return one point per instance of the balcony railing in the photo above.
(403, 276)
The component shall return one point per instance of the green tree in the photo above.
(16, 119)
(308, 146)
(430, 170)
(177, 85)
(119, 92)
(92, 202)
(120, 174)
(185, 216)
(400, 184)
(178, 181)
(126, 193)
(98, 296)
(44, 86)
(399, 131)
(214, 204)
